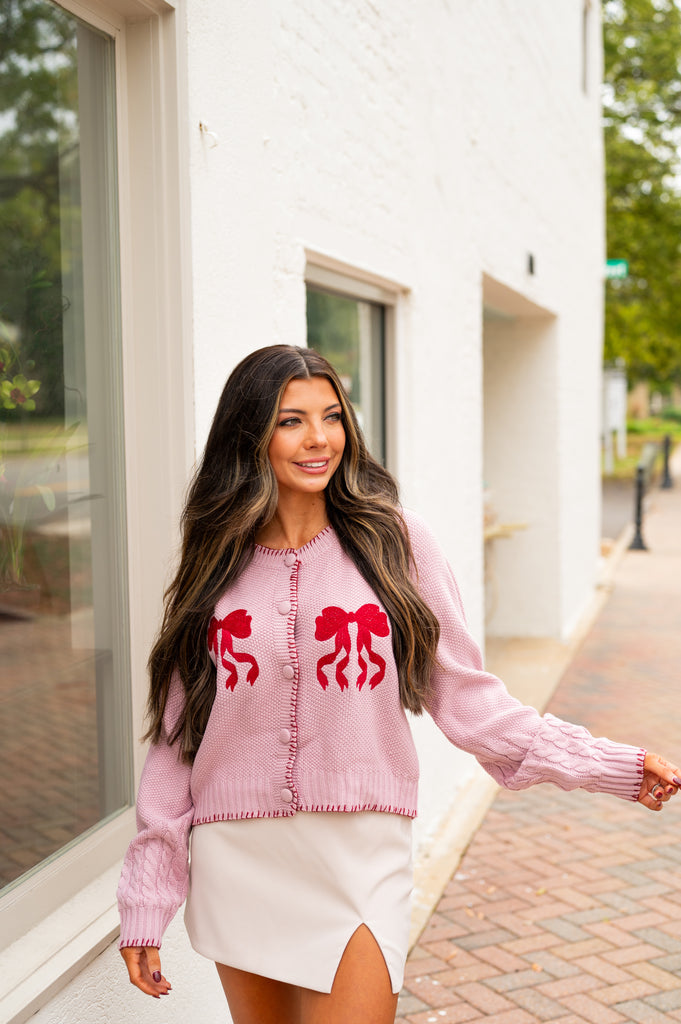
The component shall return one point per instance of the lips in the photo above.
(320, 464)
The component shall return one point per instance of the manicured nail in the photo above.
(156, 976)
(677, 782)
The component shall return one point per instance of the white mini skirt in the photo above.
(281, 897)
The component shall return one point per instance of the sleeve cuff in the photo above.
(144, 926)
(571, 758)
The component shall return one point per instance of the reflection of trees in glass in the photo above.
(333, 330)
(38, 127)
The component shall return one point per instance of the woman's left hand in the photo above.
(661, 780)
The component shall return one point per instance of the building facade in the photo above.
(415, 188)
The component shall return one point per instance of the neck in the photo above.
(295, 522)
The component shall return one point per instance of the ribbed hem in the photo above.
(255, 797)
(317, 791)
(370, 791)
(144, 926)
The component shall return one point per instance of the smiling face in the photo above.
(308, 440)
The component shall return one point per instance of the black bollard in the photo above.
(638, 544)
(666, 476)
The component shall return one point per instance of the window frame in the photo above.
(62, 914)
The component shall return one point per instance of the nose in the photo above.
(316, 437)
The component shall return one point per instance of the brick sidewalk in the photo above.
(48, 741)
(567, 906)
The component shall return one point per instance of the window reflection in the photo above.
(63, 646)
(350, 334)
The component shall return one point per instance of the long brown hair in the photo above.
(234, 493)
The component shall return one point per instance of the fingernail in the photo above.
(677, 782)
(156, 975)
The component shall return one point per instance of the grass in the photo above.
(640, 433)
(39, 437)
(56, 567)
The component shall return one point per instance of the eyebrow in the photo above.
(303, 412)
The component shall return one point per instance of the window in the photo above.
(63, 637)
(350, 333)
(94, 308)
(93, 214)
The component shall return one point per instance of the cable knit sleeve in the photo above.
(515, 744)
(154, 878)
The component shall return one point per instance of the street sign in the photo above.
(616, 269)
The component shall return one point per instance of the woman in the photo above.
(308, 612)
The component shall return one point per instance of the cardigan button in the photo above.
(289, 559)
(284, 607)
(285, 737)
(286, 796)
(288, 672)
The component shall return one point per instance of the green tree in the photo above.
(642, 114)
(39, 100)
(38, 133)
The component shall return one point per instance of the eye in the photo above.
(290, 421)
(334, 417)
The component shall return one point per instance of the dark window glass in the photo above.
(350, 333)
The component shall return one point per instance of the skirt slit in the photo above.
(282, 897)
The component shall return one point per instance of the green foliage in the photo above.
(26, 488)
(672, 414)
(642, 433)
(38, 139)
(17, 392)
(642, 110)
(655, 427)
(333, 330)
(38, 132)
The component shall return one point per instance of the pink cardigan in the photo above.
(307, 717)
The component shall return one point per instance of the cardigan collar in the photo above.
(320, 543)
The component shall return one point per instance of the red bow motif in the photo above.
(334, 622)
(236, 624)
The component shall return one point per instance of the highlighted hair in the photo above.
(234, 493)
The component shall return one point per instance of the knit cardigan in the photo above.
(307, 717)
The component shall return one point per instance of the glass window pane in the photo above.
(63, 643)
(350, 333)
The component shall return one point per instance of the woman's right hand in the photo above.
(144, 968)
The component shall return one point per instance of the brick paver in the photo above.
(567, 906)
(48, 741)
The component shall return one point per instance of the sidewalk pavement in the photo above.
(567, 906)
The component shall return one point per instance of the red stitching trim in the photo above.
(241, 816)
(280, 552)
(408, 812)
(293, 653)
(139, 942)
(383, 808)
